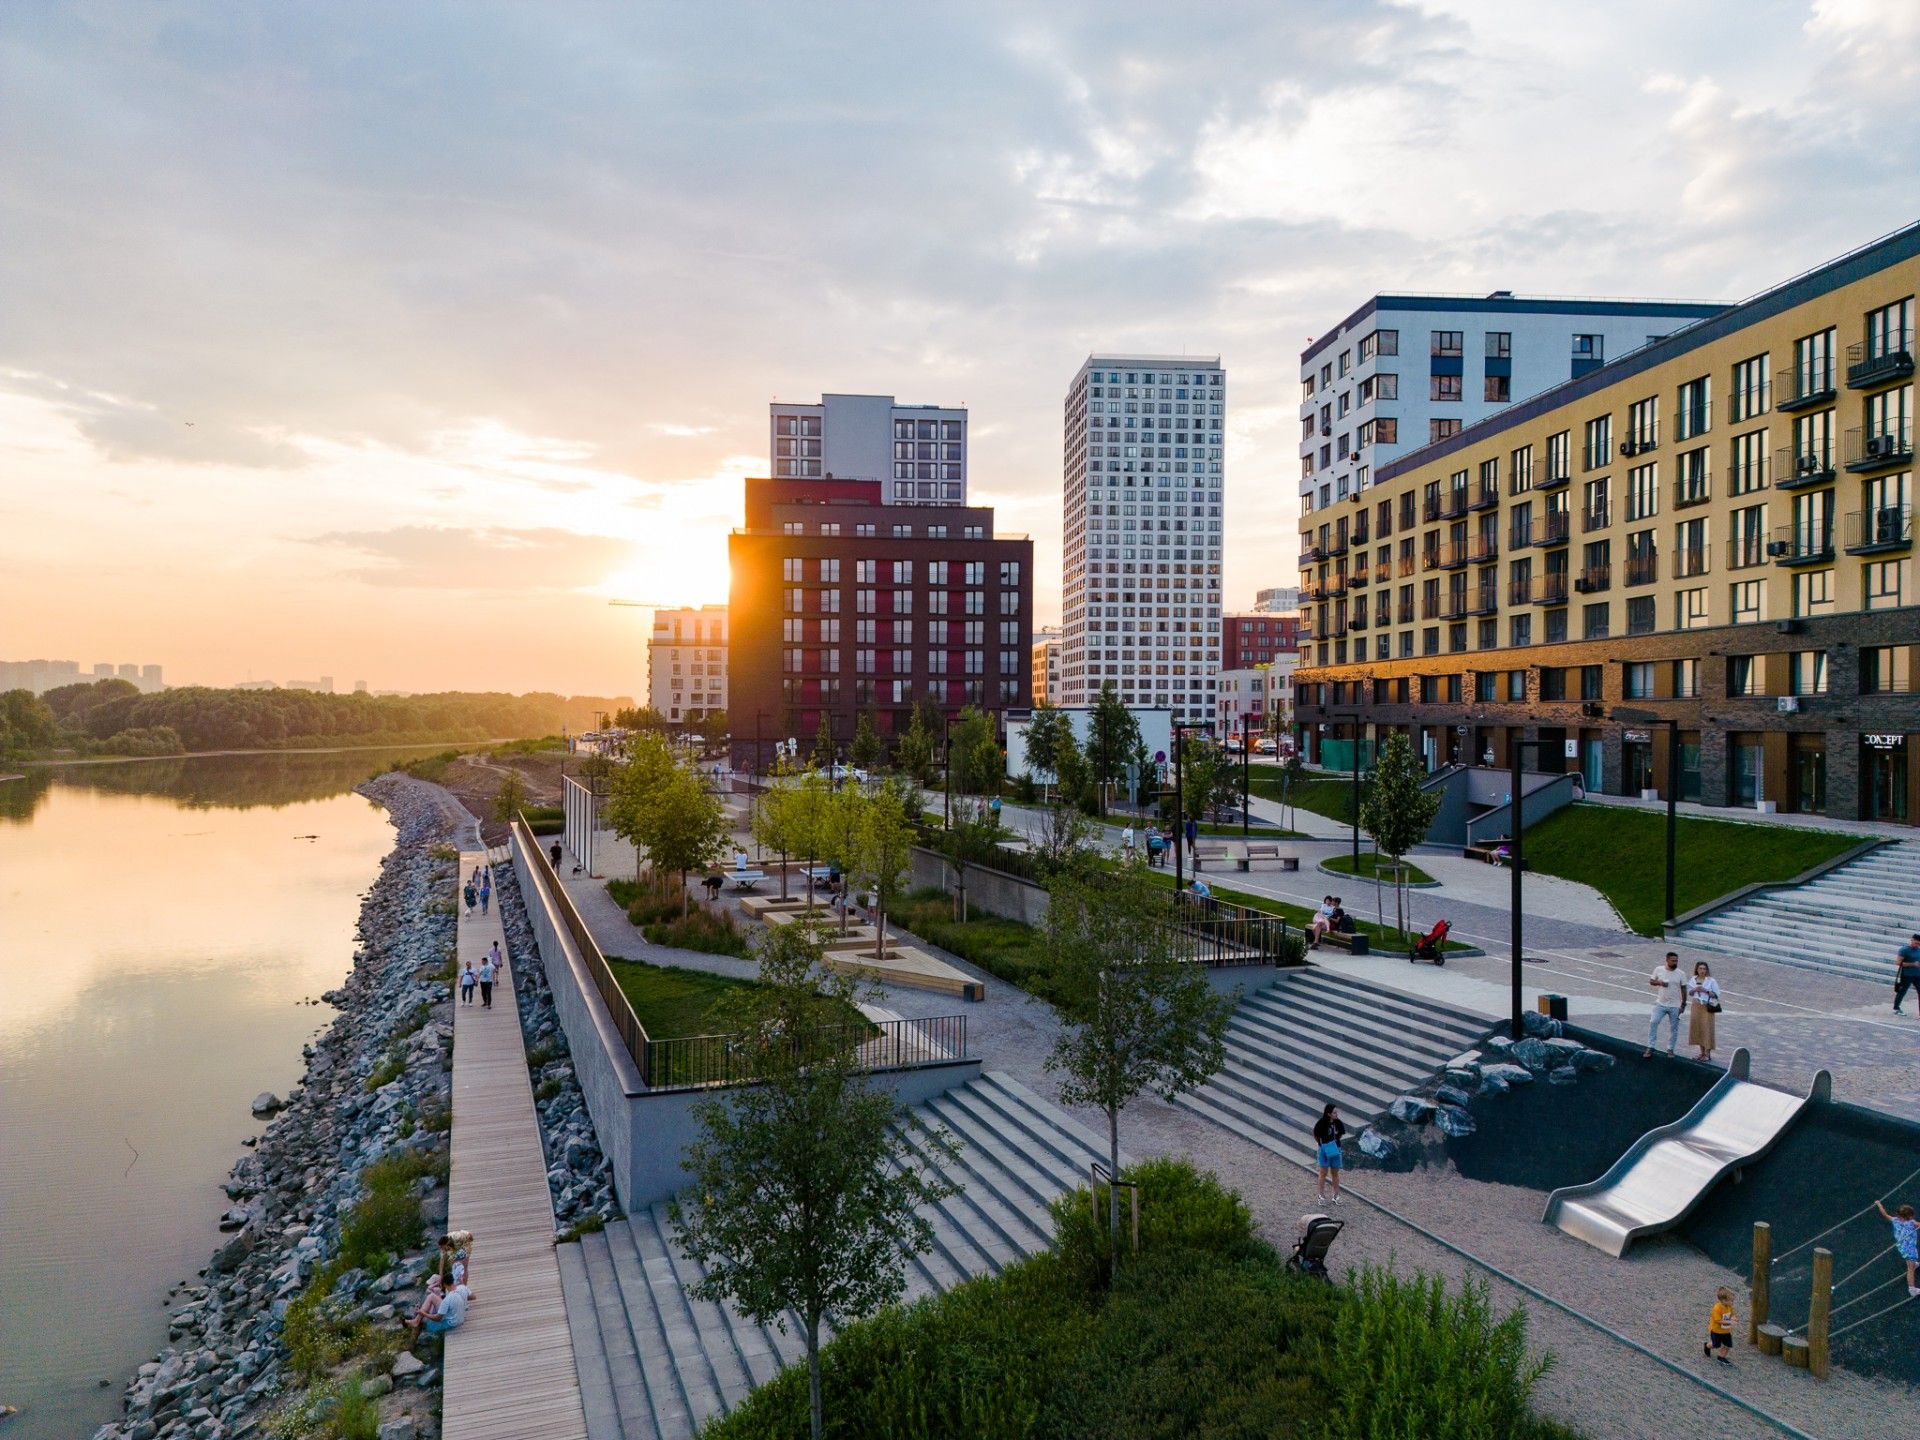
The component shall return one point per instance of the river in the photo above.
(166, 931)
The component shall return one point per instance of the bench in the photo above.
(1489, 851)
(1267, 850)
(1203, 852)
(1355, 943)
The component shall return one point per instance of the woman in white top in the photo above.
(1703, 1006)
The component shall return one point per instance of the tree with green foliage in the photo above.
(913, 751)
(631, 788)
(639, 717)
(777, 824)
(807, 1198)
(1048, 733)
(1113, 735)
(824, 753)
(510, 798)
(842, 820)
(972, 839)
(685, 827)
(866, 750)
(712, 728)
(884, 857)
(1396, 812)
(1077, 788)
(1138, 1017)
(26, 723)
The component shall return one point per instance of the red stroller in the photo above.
(1429, 946)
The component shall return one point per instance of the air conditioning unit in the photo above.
(1583, 586)
(1809, 464)
(1776, 548)
(1627, 447)
(1878, 445)
(1787, 704)
(1790, 627)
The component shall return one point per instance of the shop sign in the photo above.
(1884, 742)
(1638, 737)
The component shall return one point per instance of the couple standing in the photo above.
(1674, 991)
(491, 964)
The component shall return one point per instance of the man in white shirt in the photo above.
(1669, 998)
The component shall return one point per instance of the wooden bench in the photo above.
(1355, 943)
(1489, 851)
(1204, 852)
(1267, 850)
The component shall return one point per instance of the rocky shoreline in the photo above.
(376, 1094)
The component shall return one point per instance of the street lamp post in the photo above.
(1179, 808)
(1515, 747)
(946, 765)
(1647, 717)
(1246, 772)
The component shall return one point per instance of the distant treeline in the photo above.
(110, 716)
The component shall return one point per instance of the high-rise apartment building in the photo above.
(1046, 667)
(1404, 371)
(40, 676)
(687, 662)
(918, 453)
(1143, 499)
(843, 605)
(1277, 600)
(1715, 529)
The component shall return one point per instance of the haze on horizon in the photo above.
(392, 342)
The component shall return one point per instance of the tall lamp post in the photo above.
(946, 765)
(1179, 808)
(1646, 717)
(1515, 748)
(1246, 770)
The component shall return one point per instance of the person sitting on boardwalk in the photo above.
(428, 1313)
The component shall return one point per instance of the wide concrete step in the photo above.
(1354, 1037)
(1389, 1028)
(1306, 1056)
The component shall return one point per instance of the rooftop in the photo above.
(1505, 302)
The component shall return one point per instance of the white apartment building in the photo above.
(1403, 371)
(1046, 666)
(1142, 498)
(687, 662)
(1277, 600)
(918, 452)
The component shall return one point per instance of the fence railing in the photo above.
(1217, 932)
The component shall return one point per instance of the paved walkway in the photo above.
(509, 1368)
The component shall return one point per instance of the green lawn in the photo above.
(670, 1002)
(1622, 853)
(1003, 948)
(1321, 794)
(1370, 862)
(1385, 939)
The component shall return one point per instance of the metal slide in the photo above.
(1670, 1169)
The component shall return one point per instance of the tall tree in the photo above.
(1112, 737)
(686, 827)
(913, 752)
(1138, 1017)
(1396, 812)
(1048, 732)
(975, 753)
(510, 798)
(972, 839)
(884, 855)
(842, 817)
(631, 787)
(774, 825)
(823, 750)
(26, 722)
(811, 1200)
(866, 749)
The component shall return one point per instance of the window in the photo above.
(1748, 598)
(1499, 389)
(1599, 448)
(1589, 350)
(1809, 672)
(1690, 549)
(1745, 675)
(1640, 615)
(1445, 387)
(1813, 592)
(1886, 669)
(1694, 411)
(1446, 342)
(1690, 609)
(1499, 344)
(1637, 683)
(1643, 425)
(1553, 682)
(1594, 620)
(1890, 331)
(1885, 584)
(1557, 448)
(1686, 679)
(1484, 683)
(1520, 630)
(1812, 367)
(790, 568)
(1438, 430)
(1748, 545)
(1747, 463)
(1516, 685)
(1591, 682)
(1643, 492)
(1520, 471)
(1751, 393)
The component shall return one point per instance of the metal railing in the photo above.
(1805, 385)
(1692, 490)
(703, 1061)
(1801, 544)
(1692, 420)
(1746, 551)
(1552, 528)
(1744, 479)
(1870, 447)
(1883, 528)
(1594, 579)
(1880, 358)
(1643, 570)
(1794, 468)
(1594, 518)
(1214, 932)
(1689, 562)
(1596, 457)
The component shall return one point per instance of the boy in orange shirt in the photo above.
(1720, 1327)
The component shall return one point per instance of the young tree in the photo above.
(883, 857)
(774, 826)
(973, 839)
(1048, 733)
(713, 728)
(1137, 1016)
(913, 752)
(631, 789)
(811, 799)
(510, 798)
(823, 751)
(1076, 777)
(843, 816)
(1063, 837)
(866, 749)
(810, 1199)
(1396, 812)
(1112, 737)
(1200, 777)
(685, 827)
(975, 754)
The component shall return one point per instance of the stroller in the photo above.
(1427, 947)
(1317, 1233)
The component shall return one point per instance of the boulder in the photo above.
(1499, 1044)
(1593, 1060)
(1412, 1109)
(228, 1257)
(1533, 1054)
(406, 1363)
(1377, 1146)
(1562, 1075)
(1507, 1075)
(1463, 1079)
(1453, 1095)
(1454, 1121)
(1493, 1085)
(1564, 1046)
(1538, 1025)
(376, 1387)
(400, 1429)
(266, 1103)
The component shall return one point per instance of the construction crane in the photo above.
(643, 604)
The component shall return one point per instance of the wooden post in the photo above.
(1794, 1351)
(1761, 1281)
(1818, 1306)
(1770, 1339)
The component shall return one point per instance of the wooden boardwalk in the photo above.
(509, 1369)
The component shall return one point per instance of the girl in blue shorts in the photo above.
(1327, 1132)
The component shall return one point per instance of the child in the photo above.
(1720, 1327)
(1906, 1239)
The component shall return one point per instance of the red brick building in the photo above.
(1255, 639)
(841, 604)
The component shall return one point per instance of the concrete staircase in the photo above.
(1313, 1037)
(656, 1364)
(1847, 922)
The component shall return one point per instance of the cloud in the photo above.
(426, 557)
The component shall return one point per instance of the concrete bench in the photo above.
(1354, 943)
(1203, 853)
(1268, 850)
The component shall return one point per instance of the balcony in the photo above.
(1596, 457)
(1880, 360)
(1744, 552)
(1430, 509)
(1407, 565)
(1690, 562)
(1405, 615)
(1692, 421)
(1594, 579)
(1430, 559)
(1311, 591)
(1312, 555)
(1750, 403)
(1519, 537)
(1383, 572)
(1643, 569)
(1485, 497)
(1554, 478)
(1597, 518)
(1333, 588)
(1692, 490)
(1550, 588)
(1454, 504)
(1360, 536)
(1360, 576)
(1804, 387)
(1553, 528)
(1801, 545)
(1879, 448)
(1640, 442)
(1359, 620)
(1795, 471)
(1454, 555)
(1875, 532)
(1744, 479)
(1336, 629)
(1336, 546)
(1484, 600)
(1453, 605)
(1483, 550)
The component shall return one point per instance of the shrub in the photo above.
(386, 1218)
(391, 1067)
(709, 931)
(1408, 1358)
(547, 1089)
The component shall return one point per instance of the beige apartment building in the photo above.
(1715, 529)
(687, 663)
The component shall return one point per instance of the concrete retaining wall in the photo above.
(993, 891)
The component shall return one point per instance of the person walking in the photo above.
(1703, 1002)
(467, 981)
(499, 959)
(486, 983)
(1906, 972)
(486, 892)
(1126, 841)
(1327, 1133)
(1669, 999)
(467, 893)
(1719, 1342)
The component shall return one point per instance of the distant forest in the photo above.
(112, 717)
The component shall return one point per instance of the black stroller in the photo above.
(1317, 1234)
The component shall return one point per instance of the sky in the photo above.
(392, 341)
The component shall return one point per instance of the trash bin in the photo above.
(1554, 1006)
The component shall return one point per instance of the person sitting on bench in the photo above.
(1342, 921)
(1321, 923)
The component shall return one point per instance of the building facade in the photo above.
(1277, 600)
(1249, 640)
(842, 605)
(1143, 499)
(687, 663)
(918, 453)
(1046, 667)
(1404, 371)
(1716, 529)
